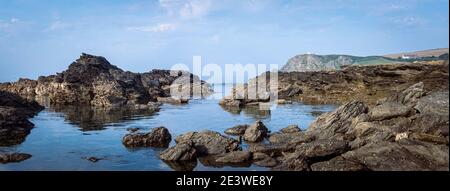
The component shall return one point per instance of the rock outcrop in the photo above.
(256, 132)
(353, 83)
(92, 80)
(184, 151)
(14, 114)
(157, 137)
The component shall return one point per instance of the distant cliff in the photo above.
(312, 62)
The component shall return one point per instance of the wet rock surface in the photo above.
(157, 137)
(184, 151)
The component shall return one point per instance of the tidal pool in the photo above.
(64, 137)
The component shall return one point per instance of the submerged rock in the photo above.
(290, 129)
(13, 157)
(256, 132)
(157, 137)
(209, 142)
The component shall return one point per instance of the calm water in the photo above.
(64, 137)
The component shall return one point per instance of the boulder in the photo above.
(292, 162)
(184, 151)
(172, 100)
(209, 142)
(157, 137)
(256, 132)
(234, 157)
(13, 157)
(283, 138)
(266, 162)
(321, 150)
(237, 130)
(338, 164)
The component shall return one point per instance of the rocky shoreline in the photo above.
(405, 131)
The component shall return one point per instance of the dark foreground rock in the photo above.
(237, 130)
(13, 157)
(256, 132)
(14, 114)
(157, 137)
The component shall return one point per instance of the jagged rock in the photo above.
(209, 142)
(234, 157)
(13, 157)
(292, 162)
(271, 150)
(389, 110)
(291, 129)
(237, 130)
(259, 156)
(410, 95)
(256, 132)
(182, 165)
(184, 151)
(338, 164)
(428, 138)
(158, 137)
(338, 121)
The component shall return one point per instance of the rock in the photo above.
(266, 162)
(271, 150)
(184, 151)
(428, 138)
(235, 157)
(410, 95)
(321, 150)
(338, 121)
(282, 101)
(256, 132)
(291, 129)
(158, 137)
(399, 156)
(94, 159)
(292, 162)
(436, 103)
(259, 156)
(283, 138)
(13, 157)
(236, 130)
(92, 80)
(338, 164)
(209, 142)
(172, 100)
(14, 114)
(389, 110)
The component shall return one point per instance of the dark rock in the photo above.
(172, 100)
(283, 138)
(182, 165)
(321, 150)
(292, 162)
(209, 142)
(158, 137)
(133, 129)
(94, 159)
(266, 162)
(271, 150)
(13, 157)
(256, 132)
(184, 151)
(237, 130)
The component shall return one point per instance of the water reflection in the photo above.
(89, 118)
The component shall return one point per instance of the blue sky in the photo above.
(42, 37)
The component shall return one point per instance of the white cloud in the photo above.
(189, 9)
(163, 27)
(58, 25)
(9, 24)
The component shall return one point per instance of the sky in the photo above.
(42, 37)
